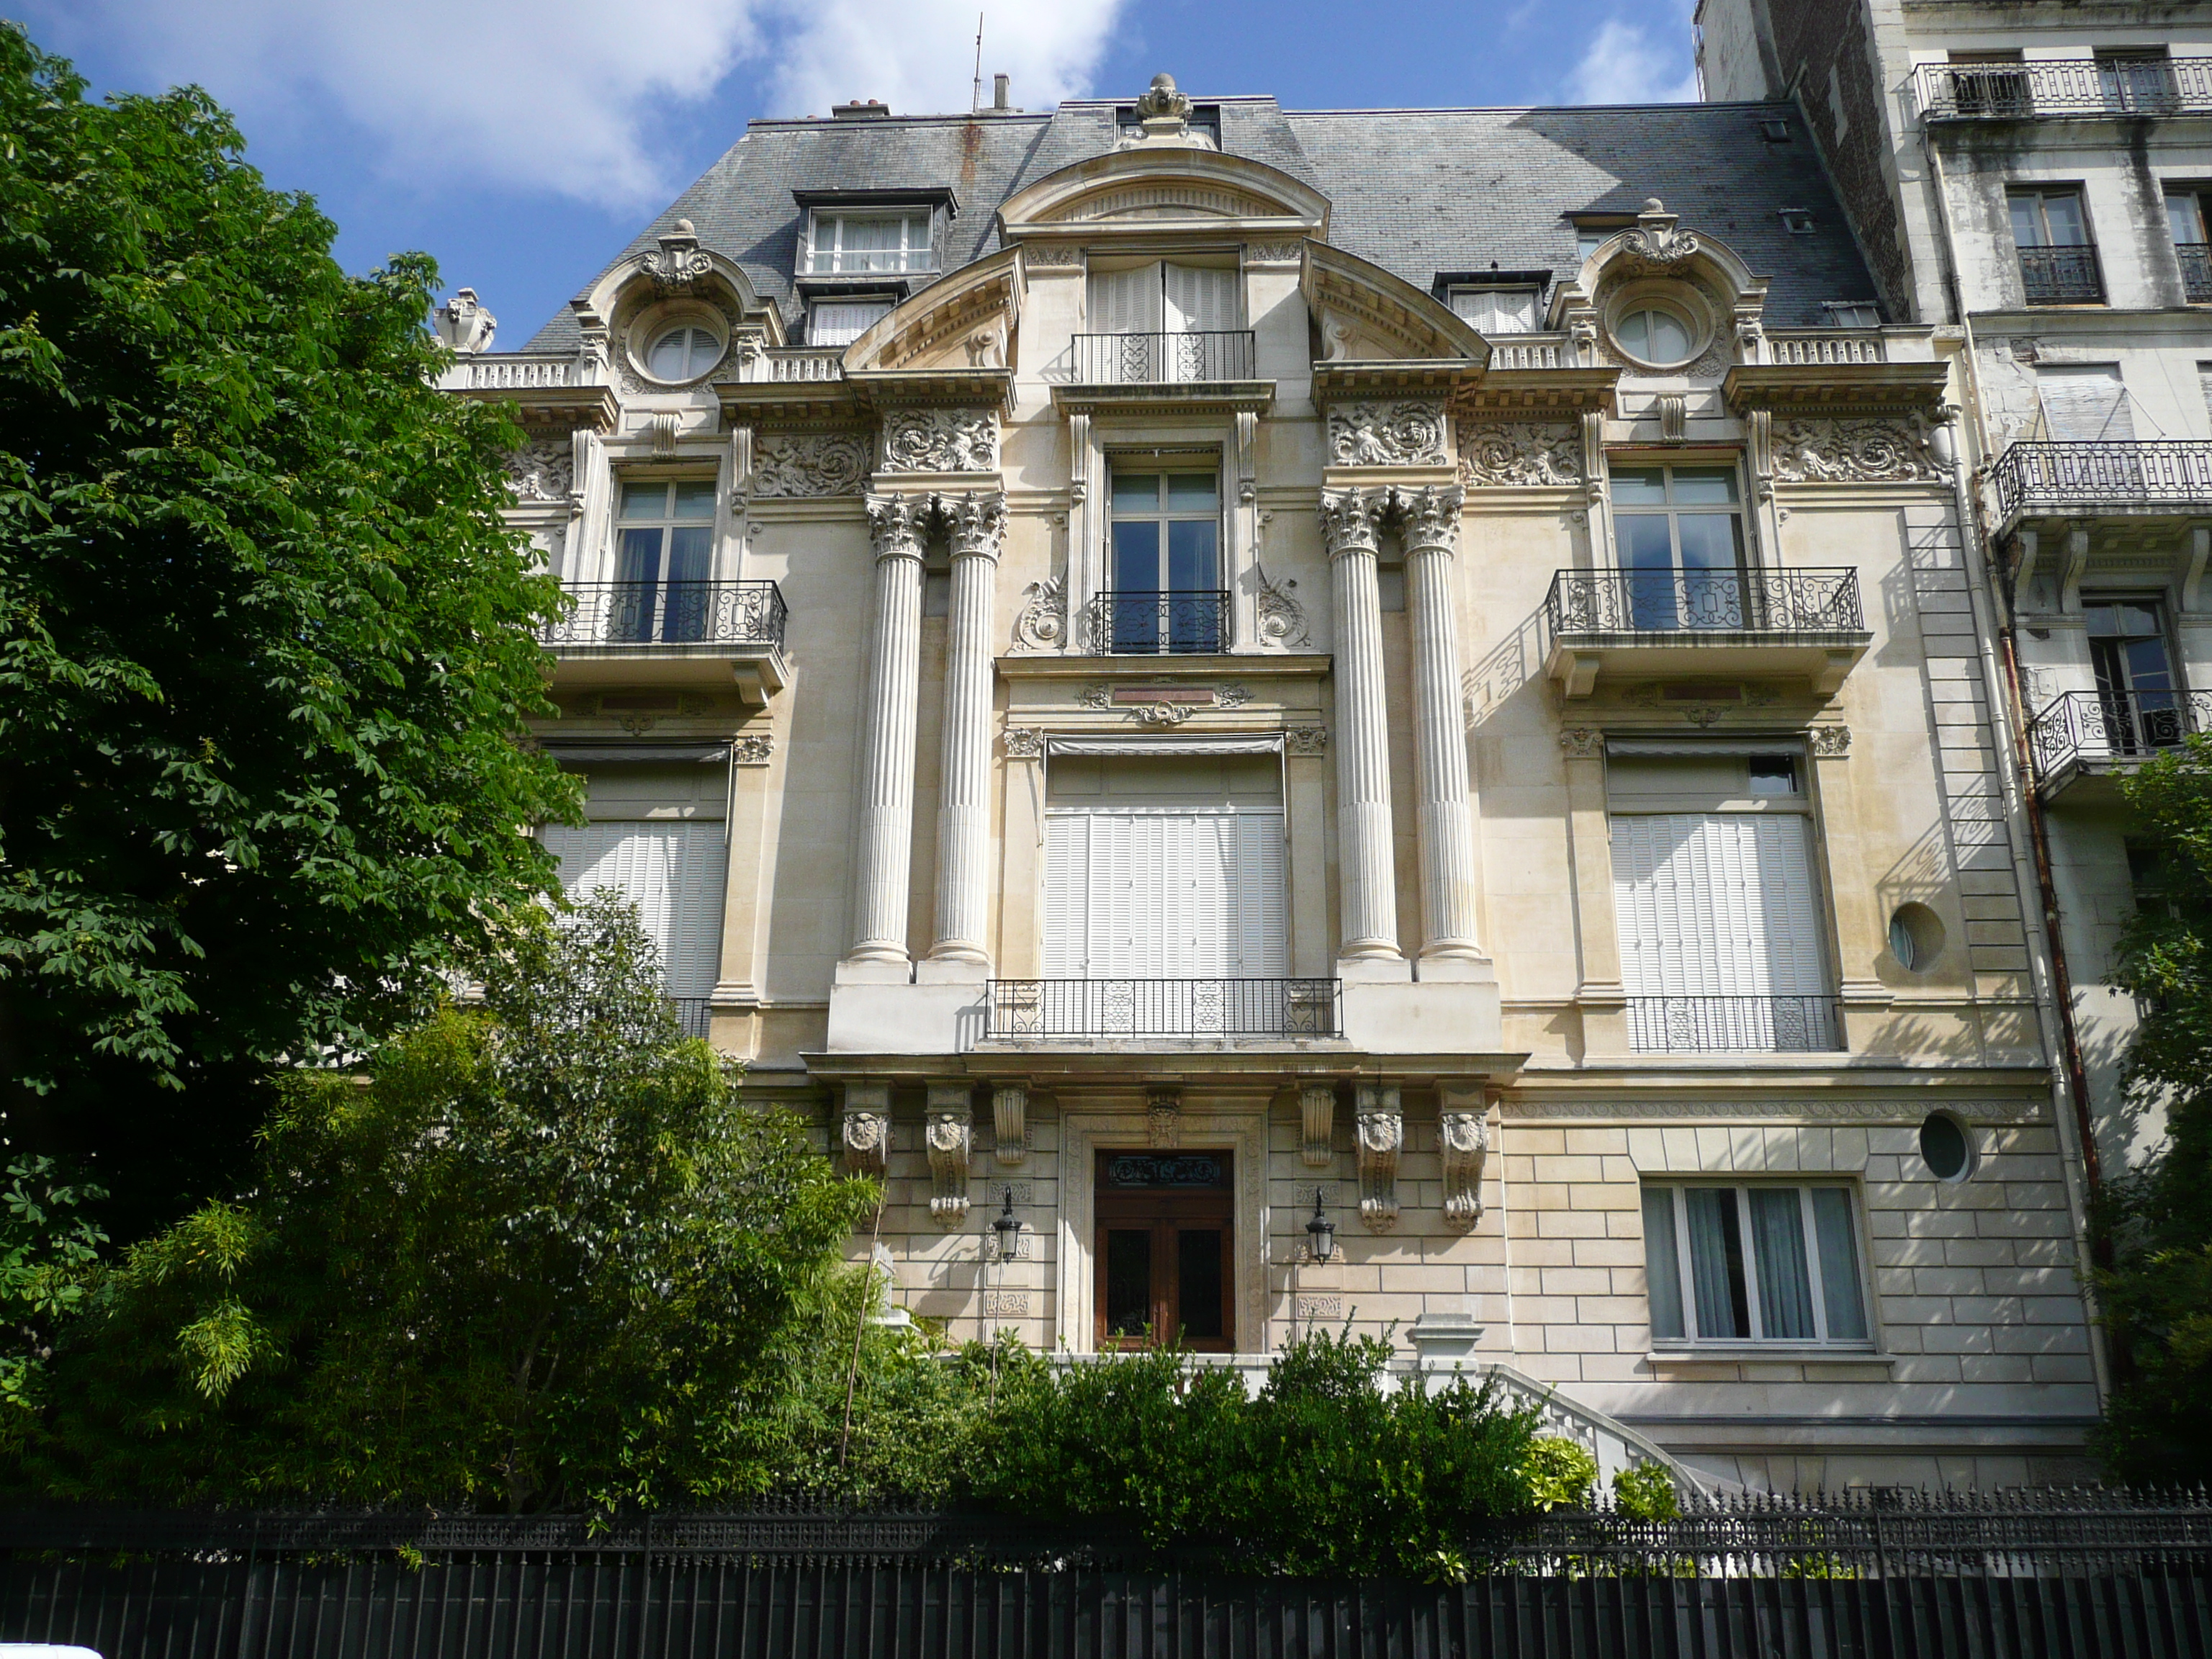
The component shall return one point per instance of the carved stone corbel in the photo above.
(1317, 1120)
(1009, 1107)
(2023, 569)
(2077, 566)
(1463, 1142)
(951, 1135)
(863, 1128)
(1163, 1119)
(1380, 1123)
(2193, 562)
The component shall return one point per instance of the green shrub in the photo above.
(1645, 1492)
(1558, 1472)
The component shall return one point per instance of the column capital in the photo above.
(898, 524)
(975, 522)
(1428, 518)
(1348, 519)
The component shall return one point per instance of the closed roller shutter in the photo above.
(1164, 894)
(1717, 904)
(672, 871)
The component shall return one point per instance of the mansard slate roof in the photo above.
(1417, 191)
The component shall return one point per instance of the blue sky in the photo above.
(521, 142)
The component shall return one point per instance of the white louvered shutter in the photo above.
(2085, 403)
(1125, 302)
(1200, 300)
(1260, 932)
(1717, 904)
(693, 954)
(1067, 895)
(673, 872)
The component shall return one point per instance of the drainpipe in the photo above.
(2030, 855)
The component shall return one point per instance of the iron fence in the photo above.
(2062, 276)
(629, 614)
(1164, 358)
(1759, 1025)
(1176, 621)
(2061, 87)
(2196, 271)
(2106, 1574)
(1784, 602)
(1187, 1009)
(2119, 473)
(2083, 725)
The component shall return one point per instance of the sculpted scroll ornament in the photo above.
(1409, 433)
(950, 1137)
(1815, 450)
(680, 261)
(1527, 453)
(1043, 623)
(1279, 618)
(866, 1133)
(1025, 743)
(1463, 1146)
(940, 441)
(1306, 741)
(1829, 740)
(795, 465)
(1379, 1132)
(541, 473)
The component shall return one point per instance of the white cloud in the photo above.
(567, 95)
(1626, 64)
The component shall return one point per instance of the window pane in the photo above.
(1645, 544)
(1636, 334)
(637, 556)
(2063, 215)
(1710, 541)
(2185, 218)
(2027, 222)
(666, 361)
(1663, 1268)
(1669, 340)
(695, 501)
(1140, 490)
(1639, 486)
(705, 350)
(645, 501)
(1191, 563)
(1128, 1282)
(1785, 1287)
(1716, 1264)
(1704, 486)
(841, 322)
(1773, 774)
(1137, 556)
(690, 553)
(1198, 1283)
(1192, 492)
(1839, 1264)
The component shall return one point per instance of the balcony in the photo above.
(1197, 359)
(2131, 478)
(1714, 1025)
(2084, 740)
(1760, 624)
(1181, 622)
(2062, 276)
(680, 633)
(693, 1015)
(2195, 259)
(1163, 1010)
(2073, 88)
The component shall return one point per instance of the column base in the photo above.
(1374, 970)
(873, 970)
(1453, 967)
(952, 970)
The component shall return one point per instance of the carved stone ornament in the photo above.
(1025, 743)
(1273, 253)
(1045, 257)
(1231, 697)
(975, 522)
(1829, 740)
(1010, 1105)
(1096, 696)
(757, 749)
(1317, 1120)
(1041, 624)
(680, 261)
(1348, 519)
(950, 1137)
(794, 464)
(864, 1131)
(1821, 450)
(940, 441)
(1162, 100)
(1160, 714)
(1307, 741)
(1379, 1131)
(1279, 619)
(1463, 1145)
(1524, 452)
(541, 473)
(1406, 434)
(1163, 1119)
(1655, 239)
(464, 324)
(1582, 743)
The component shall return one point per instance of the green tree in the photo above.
(48, 1251)
(265, 641)
(2157, 1294)
(544, 1256)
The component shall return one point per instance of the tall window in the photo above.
(2138, 694)
(2186, 216)
(1679, 531)
(862, 242)
(1167, 593)
(1498, 310)
(1164, 322)
(2136, 78)
(1753, 1264)
(671, 870)
(2057, 265)
(664, 554)
(1988, 83)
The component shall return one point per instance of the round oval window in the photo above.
(1654, 336)
(1943, 1147)
(683, 353)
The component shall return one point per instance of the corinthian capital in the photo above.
(1429, 517)
(1348, 519)
(975, 522)
(898, 524)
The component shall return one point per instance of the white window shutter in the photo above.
(841, 322)
(673, 872)
(1717, 904)
(694, 952)
(2085, 403)
(1200, 300)
(1125, 302)
(1066, 894)
(1261, 925)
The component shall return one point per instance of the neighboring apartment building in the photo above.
(2040, 176)
(1191, 669)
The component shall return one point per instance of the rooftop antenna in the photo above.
(975, 93)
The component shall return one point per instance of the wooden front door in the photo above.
(1166, 1224)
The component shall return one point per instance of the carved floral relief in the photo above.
(541, 473)
(1836, 450)
(787, 464)
(940, 441)
(1406, 434)
(1520, 453)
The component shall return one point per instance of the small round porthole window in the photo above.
(683, 353)
(1653, 334)
(1945, 1148)
(1915, 937)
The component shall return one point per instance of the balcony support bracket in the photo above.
(1380, 1125)
(951, 1135)
(1317, 1119)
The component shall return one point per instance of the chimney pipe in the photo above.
(999, 92)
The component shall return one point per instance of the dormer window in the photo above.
(841, 322)
(1591, 231)
(865, 241)
(1497, 310)
(1852, 313)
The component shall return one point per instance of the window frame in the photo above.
(2041, 195)
(825, 257)
(1209, 464)
(1746, 562)
(657, 618)
(1677, 1189)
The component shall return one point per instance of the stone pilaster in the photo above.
(1429, 522)
(975, 524)
(1368, 903)
(897, 525)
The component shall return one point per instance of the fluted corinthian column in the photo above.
(1368, 906)
(897, 525)
(974, 524)
(1429, 523)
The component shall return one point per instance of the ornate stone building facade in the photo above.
(1154, 681)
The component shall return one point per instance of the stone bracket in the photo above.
(1317, 1116)
(950, 1138)
(864, 1128)
(1463, 1143)
(1163, 1118)
(1010, 1106)
(1380, 1123)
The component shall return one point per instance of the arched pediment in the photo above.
(680, 268)
(1367, 314)
(1145, 190)
(965, 321)
(1656, 245)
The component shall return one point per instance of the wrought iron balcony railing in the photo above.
(2100, 726)
(1181, 621)
(1758, 1025)
(1164, 358)
(2062, 276)
(692, 1014)
(1189, 1010)
(632, 614)
(2124, 474)
(1777, 602)
(2065, 89)
(2195, 270)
